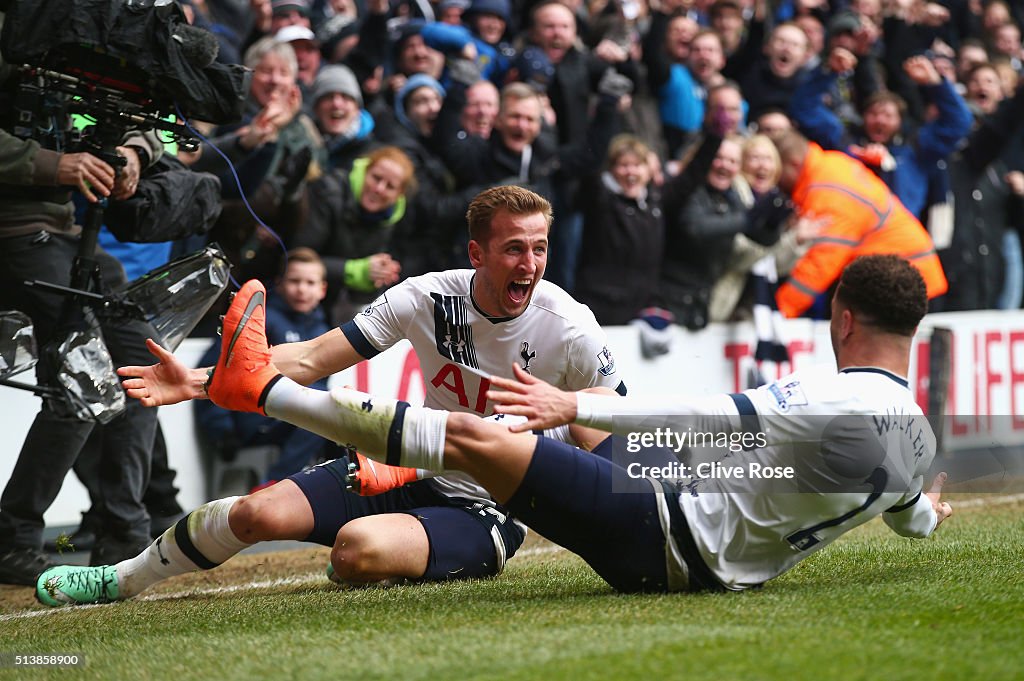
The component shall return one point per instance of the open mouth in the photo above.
(630, 182)
(519, 289)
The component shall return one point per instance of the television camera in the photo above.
(123, 66)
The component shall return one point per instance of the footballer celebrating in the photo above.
(658, 538)
(465, 325)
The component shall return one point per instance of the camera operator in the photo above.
(38, 241)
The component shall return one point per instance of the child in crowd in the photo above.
(294, 314)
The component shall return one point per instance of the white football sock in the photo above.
(200, 541)
(382, 429)
(422, 436)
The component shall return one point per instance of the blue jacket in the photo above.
(681, 100)
(916, 155)
(285, 325)
(494, 60)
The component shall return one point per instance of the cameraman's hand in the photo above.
(128, 177)
(86, 173)
(168, 382)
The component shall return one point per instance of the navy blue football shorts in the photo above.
(566, 495)
(467, 538)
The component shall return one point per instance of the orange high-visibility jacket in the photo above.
(862, 217)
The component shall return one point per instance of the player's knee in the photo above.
(254, 518)
(465, 430)
(357, 553)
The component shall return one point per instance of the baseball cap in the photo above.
(290, 34)
(283, 6)
(844, 22)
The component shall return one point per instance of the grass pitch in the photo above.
(871, 606)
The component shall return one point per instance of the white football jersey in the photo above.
(556, 338)
(856, 446)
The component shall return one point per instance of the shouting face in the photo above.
(509, 263)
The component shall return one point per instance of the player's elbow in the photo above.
(464, 430)
(600, 390)
(913, 528)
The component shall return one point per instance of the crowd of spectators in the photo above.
(648, 124)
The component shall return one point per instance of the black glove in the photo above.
(463, 70)
(293, 169)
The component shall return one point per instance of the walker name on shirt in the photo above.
(912, 426)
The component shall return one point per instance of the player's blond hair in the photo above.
(510, 198)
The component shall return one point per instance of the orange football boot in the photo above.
(244, 372)
(368, 478)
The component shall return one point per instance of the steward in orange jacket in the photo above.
(860, 217)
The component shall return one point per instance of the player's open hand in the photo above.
(168, 382)
(942, 508)
(543, 405)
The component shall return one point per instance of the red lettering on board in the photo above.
(410, 368)
(795, 348)
(1016, 380)
(735, 352)
(363, 376)
(992, 378)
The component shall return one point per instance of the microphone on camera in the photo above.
(199, 47)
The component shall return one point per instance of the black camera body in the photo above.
(123, 65)
(126, 64)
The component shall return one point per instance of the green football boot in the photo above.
(74, 584)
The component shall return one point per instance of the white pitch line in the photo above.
(988, 501)
(295, 580)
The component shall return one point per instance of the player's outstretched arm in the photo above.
(942, 508)
(543, 405)
(308, 361)
(167, 382)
